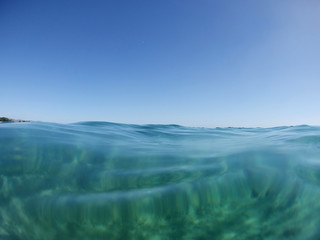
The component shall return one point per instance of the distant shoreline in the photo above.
(6, 120)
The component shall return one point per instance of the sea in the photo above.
(101, 180)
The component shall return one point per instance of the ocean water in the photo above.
(99, 180)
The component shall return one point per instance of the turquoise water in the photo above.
(98, 180)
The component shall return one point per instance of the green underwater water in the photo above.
(98, 180)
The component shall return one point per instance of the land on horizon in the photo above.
(5, 119)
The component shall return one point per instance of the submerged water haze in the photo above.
(99, 180)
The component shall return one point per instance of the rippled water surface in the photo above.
(97, 180)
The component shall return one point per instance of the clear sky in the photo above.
(196, 63)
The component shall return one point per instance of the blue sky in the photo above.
(195, 63)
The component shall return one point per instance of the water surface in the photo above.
(99, 180)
